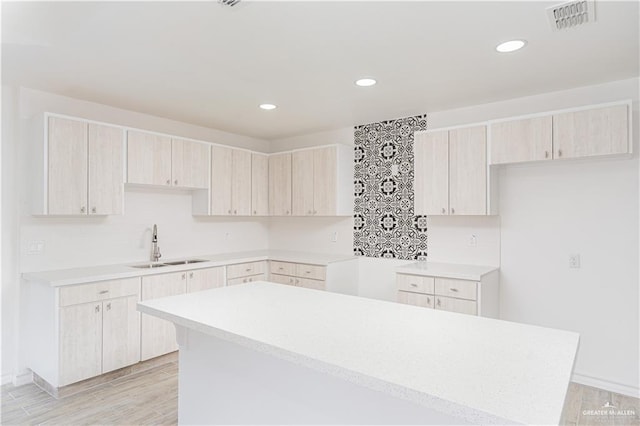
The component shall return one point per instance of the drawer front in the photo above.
(282, 279)
(282, 268)
(416, 299)
(460, 306)
(313, 272)
(93, 292)
(245, 269)
(415, 283)
(460, 289)
(244, 280)
(309, 283)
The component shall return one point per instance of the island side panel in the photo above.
(224, 383)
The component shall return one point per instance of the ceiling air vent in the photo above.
(229, 3)
(571, 14)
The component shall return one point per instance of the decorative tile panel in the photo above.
(384, 221)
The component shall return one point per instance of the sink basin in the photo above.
(149, 265)
(185, 262)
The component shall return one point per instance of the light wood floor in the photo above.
(151, 397)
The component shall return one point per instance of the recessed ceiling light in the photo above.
(510, 46)
(268, 106)
(366, 82)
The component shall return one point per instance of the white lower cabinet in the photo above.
(298, 274)
(450, 294)
(158, 336)
(242, 273)
(99, 329)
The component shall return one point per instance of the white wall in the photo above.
(76, 242)
(341, 136)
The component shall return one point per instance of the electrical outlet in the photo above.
(334, 237)
(473, 240)
(574, 261)
(227, 235)
(35, 247)
(395, 170)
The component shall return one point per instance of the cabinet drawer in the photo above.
(415, 283)
(313, 272)
(282, 268)
(243, 280)
(245, 269)
(308, 283)
(456, 288)
(460, 306)
(282, 279)
(415, 299)
(84, 293)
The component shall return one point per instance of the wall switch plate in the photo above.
(574, 261)
(334, 237)
(473, 240)
(394, 170)
(35, 247)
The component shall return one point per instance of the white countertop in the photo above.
(449, 270)
(479, 369)
(72, 276)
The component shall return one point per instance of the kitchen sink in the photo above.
(150, 265)
(185, 262)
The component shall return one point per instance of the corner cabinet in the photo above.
(82, 167)
(450, 170)
(280, 184)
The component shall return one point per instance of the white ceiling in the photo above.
(211, 65)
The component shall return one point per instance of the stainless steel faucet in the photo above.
(155, 249)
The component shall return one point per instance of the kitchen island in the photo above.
(264, 353)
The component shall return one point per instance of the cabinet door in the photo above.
(302, 183)
(282, 279)
(120, 333)
(415, 299)
(67, 167)
(456, 305)
(80, 342)
(221, 166)
(521, 140)
(205, 279)
(241, 183)
(189, 164)
(598, 131)
(148, 158)
(431, 173)
(158, 336)
(106, 179)
(259, 184)
(468, 171)
(325, 184)
(280, 185)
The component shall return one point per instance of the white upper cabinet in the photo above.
(230, 181)
(162, 161)
(259, 184)
(518, 141)
(148, 158)
(431, 171)
(573, 134)
(468, 171)
(450, 172)
(82, 173)
(280, 184)
(189, 164)
(322, 181)
(601, 131)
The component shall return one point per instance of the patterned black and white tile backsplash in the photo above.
(384, 222)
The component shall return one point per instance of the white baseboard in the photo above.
(23, 378)
(5, 378)
(606, 385)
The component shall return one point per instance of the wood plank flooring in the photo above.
(151, 397)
